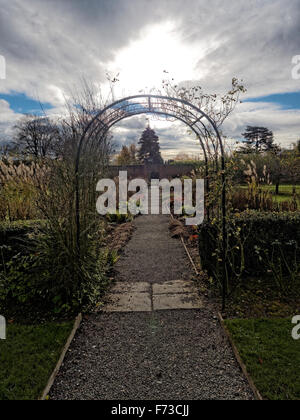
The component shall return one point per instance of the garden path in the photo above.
(156, 339)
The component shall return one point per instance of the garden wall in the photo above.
(152, 171)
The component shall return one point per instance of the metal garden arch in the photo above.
(179, 109)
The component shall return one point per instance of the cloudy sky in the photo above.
(49, 46)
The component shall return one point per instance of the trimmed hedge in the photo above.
(265, 237)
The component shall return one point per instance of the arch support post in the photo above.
(77, 212)
(224, 234)
(224, 217)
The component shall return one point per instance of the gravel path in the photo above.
(160, 355)
(152, 255)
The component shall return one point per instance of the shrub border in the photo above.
(239, 359)
(61, 359)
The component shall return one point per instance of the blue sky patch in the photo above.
(285, 100)
(22, 104)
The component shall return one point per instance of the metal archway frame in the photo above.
(180, 109)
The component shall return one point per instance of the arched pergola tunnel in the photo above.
(169, 107)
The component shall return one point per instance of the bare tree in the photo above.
(217, 107)
(81, 106)
(36, 137)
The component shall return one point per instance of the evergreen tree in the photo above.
(149, 151)
(258, 139)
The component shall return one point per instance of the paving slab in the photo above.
(125, 287)
(176, 286)
(177, 301)
(129, 302)
(135, 297)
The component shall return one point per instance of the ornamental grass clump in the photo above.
(18, 189)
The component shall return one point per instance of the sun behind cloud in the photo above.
(144, 62)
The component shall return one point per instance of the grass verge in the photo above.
(28, 357)
(261, 298)
(285, 191)
(270, 354)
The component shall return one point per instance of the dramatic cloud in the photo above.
(7, 120)
(285, 123)
(50, 46)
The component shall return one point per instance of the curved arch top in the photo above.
(196, 119)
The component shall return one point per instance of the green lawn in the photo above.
(285, 192)
(286, 189)
(28, 357)
(270, 354)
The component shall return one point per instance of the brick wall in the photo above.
(152, 171)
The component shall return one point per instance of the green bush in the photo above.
(59, 272)
(258, 243)
(49, 278)
(14, 237)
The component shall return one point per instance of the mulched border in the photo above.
(186, 250)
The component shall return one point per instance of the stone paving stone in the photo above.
(173, 287)
(124, 287)
(177, 301)
(129, 302)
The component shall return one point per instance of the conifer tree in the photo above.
(258, 139)
(149, 151)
